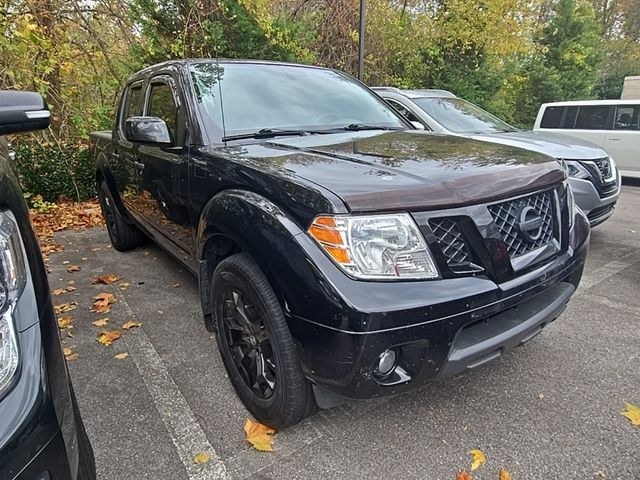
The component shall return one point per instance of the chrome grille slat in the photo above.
(505, 216)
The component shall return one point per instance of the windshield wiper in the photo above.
(356, 127)
(266, 133)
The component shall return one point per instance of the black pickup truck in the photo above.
(340, 252)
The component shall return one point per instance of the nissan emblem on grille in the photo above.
(530, 224)
(526, 223)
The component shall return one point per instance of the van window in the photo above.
(593, 117)
(627, 118)
(570, 117)
(552, 117)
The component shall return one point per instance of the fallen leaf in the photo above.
(176, 285)
(463, 475)
(65, 307)
(65, 322)
(600, 474)
(107, 279)
(73, 268)
(69, 354)
(259, 435)
(70, 289)
(131, 324)
(58, 291)
(100, 322)
(201, 458)
(107, 338)
(504, 475)
(632, 413)
(121, 356)
(477, 459)
(123, 286)
(102, 302)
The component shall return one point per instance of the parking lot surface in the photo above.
(548, 410)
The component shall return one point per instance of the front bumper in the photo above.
(438, 328)
(588, 199)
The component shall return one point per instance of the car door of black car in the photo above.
(123, 162)
(164, 200)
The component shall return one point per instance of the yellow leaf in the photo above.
(69, 354)
(463, 475)
(477, 459)
(131, 324)
(72, 357)
(259, 435)
(101, 322)
(65, 307)
(201, 458)
(121, 356)
(107, 338)
(64, 322)
(504, 475)
(632, 413)
(66, 351)
(58, 291)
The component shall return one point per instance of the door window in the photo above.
(404, 111)
(552, 117)
(163, 106)
(627, 118)
(133, 102)
(592, 117)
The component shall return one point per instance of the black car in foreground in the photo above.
(42, 436)
(340, 253)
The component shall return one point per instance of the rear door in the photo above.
(125, 168)
(623, 142)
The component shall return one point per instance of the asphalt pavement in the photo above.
(548, 410)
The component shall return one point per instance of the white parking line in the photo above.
(606, 271)
(180, 421)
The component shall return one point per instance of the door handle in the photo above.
(138, 165)
(614, 139)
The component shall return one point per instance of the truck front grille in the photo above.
(508, 218)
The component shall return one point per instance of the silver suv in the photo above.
(593, 174)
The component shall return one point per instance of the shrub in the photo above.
(56, 171)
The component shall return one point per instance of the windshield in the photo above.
(459, 116)
(245, 98)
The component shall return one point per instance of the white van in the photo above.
(611, 124)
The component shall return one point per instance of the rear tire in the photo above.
(256, 346)
(123, 235)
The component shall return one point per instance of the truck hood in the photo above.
(552, 144)
(407, 170)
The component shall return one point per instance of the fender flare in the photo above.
(252, 222)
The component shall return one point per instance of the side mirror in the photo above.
(22, 112)
(147, 131)
(417, 125)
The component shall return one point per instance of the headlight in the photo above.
(375, 246)
(571, 205)
(12, 281)
(575, 169)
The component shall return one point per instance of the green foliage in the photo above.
(51, 172)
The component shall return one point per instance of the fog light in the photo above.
(387, 362)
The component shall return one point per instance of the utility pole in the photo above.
(363, 7)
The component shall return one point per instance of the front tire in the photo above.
(256, 346)
(123, 235)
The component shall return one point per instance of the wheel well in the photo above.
(217, 248)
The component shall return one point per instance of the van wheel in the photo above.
(124, 236)
(256, 346)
